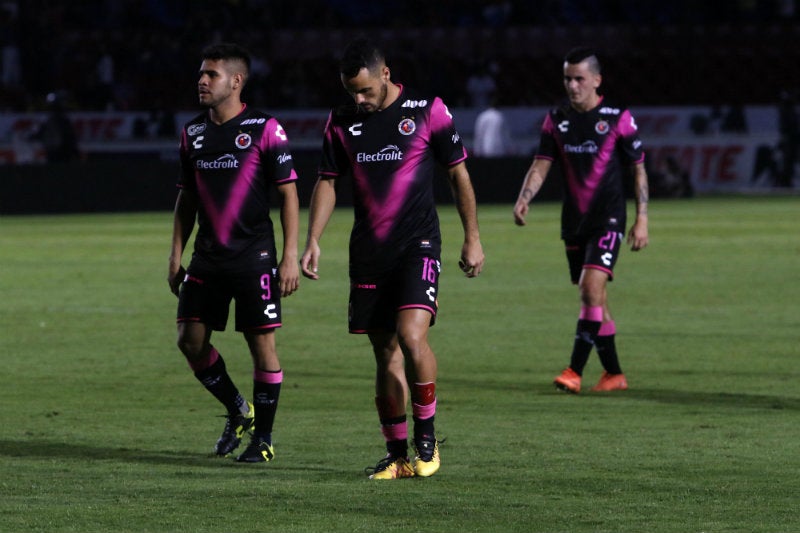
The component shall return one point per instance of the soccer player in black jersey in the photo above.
(231, 157)
(597, 145)
(389, 143)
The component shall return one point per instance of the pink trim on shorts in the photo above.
(268, 377)
(423, 412)
(198, 366)
(607, 329)
(591, 313)
(602, 269)
(431, 310)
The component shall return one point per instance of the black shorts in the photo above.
(376, 297)
(207, 291)
(599, 251)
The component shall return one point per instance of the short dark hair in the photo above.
(361, 53)
(583, 53)
(228, 51)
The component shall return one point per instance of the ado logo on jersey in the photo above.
(195, 129)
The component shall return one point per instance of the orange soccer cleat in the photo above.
(609, 382)
(568, 381)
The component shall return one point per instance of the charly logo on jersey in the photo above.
(223, 162)
(391, 152)
(243, 140)
(601, 127)
(355, 129)
(407, 126)
(563, 126)
(196, 129)
(586, 147)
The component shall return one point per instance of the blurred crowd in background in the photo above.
(144, 54)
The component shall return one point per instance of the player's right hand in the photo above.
(175, 278)
(309, 263)
(520, 212)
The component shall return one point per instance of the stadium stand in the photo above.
(658, 53)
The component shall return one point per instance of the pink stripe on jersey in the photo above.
(222, 220)
(268, 377)
(440, 120)
(292, 177)
(592, 313)
(584, 192)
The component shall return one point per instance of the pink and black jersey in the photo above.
(231, 168)
(391, 157)
(595, 150)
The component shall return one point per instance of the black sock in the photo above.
(217, 381)
(607, 350)
(423, 428)
(397, 448)
(585, 335)
(265, 403)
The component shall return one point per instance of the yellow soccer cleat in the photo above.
(427, 461)
(391, 468)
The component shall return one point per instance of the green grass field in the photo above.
(104, 429)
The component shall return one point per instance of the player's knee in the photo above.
(191, 348)
(413, 341)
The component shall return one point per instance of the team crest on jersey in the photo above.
(243, 140)
(407, 126)
(601, 127)
(196, 129)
